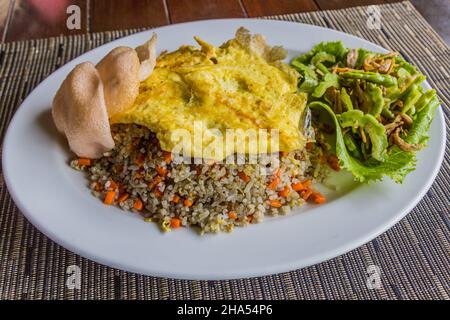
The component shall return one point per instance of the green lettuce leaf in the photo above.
(321, 57)
(375, 130)
(362, 55)
(398, 163)
(329, 80)
(336, 49)
(374, 95)
(310, 80)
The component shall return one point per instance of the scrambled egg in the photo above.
(240, 85)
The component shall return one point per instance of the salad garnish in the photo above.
(379, 110)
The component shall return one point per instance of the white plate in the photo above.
(56, 199)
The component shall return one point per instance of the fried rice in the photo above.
(210, 197)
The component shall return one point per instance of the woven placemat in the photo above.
(413, 256)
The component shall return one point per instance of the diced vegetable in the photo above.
(187, 203)
(243, 176)
(274, 183)
(275, 203)
(284, 193)
(378, 107)
(330, 80)
(138, 205)
(175, 223)
(123, 197)
(109, 198)
(232, 215)
(84, 162)
(317, 198)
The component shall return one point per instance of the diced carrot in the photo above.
(158, 193)
(118, 168)
(167, 156)
(154, 182)
(161, 171)
(285, 192)
(113, 185)
(232, 215)
(187, 203)
(283, 154)
(84, 162)
(139, 174)
(175, 223)
(305, 194)
(175, 199)
(333, 161)
(250, 218)
(140, 159)
(298, 186)
(309, 146)
(138, 205)
(109, 198)
(122, 188)
(243, 176)
(97, 186)
(277, 172)
(123, 197)
(317, 198)
(274, 183)
(275, 203)
(307, 182)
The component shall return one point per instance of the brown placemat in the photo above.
(413, 256)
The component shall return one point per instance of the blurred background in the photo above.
(30, 19)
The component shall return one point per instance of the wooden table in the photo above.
(30, 19)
